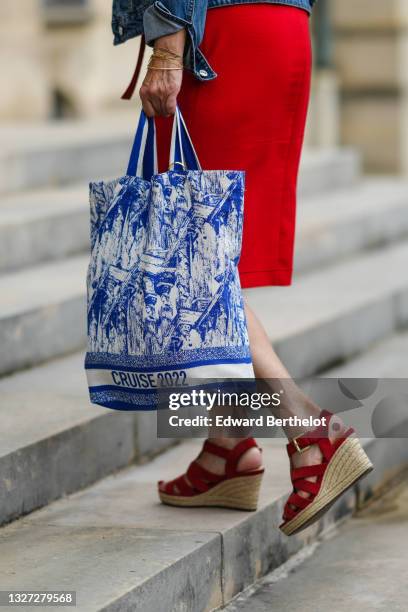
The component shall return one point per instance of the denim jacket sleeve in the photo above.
(167, 16)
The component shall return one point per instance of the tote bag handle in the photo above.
(143, 158)
(182, 149)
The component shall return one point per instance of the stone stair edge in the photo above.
(389, 460)
(219, 564)
(374, 215)
(106, 441)
(15, 208)
(87, 160)
(32, 135)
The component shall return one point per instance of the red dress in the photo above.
(252, 118)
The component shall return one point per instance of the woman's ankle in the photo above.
(250, 460)
(334, 424)
(299, 414)
(225, 442)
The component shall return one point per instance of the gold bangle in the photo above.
(166, 68)
(166, 56)
(160, 51)
(176, 64)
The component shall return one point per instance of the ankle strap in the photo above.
(231, 456)
(318, 436)
(214, 449)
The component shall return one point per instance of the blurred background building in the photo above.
(58, 61)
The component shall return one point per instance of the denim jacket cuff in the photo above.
(156, 25)
(194, 59)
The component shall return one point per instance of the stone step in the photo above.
(332, 314)
(42, 313)
(43, 225)
(335, 568)
(54, 442)
(325, 316)
(153, 557)
(324, 169)
(57, 153)
(385, 359)
(337, 225)
(47, 224)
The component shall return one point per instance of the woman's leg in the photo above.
(269, 368)
(295, 402)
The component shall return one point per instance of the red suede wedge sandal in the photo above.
(239, 490)
(344, 462)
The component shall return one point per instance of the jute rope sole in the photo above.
(239, 493)
(347, 466)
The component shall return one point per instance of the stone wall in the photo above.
(23, 75)
(65, 67)
(85, 66)
(73, 69)
(371, 58)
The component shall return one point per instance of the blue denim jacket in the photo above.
(160, 17)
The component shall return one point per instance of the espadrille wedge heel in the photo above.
(237, 490)
(344, 463)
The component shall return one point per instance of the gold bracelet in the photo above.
(160, 56)
(168, 56)
(157, 68)
(150, 66)
(165, 53)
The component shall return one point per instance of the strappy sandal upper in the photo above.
(203, 480)
(299, 476)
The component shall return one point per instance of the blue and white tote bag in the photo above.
(164, 296)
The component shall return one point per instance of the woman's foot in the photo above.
(250, 460)
(313, 455)
(324, 464)
(227, 473)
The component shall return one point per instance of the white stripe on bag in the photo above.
(149, 380)
(139, 168)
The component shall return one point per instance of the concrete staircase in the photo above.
(349, 303)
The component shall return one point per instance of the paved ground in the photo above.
(363, 567)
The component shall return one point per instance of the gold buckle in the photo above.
(296, 445)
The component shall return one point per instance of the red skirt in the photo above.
(252, 117)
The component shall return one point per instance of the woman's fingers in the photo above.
(148, 107)
(170, 104)
(159, 92)
(146, 97)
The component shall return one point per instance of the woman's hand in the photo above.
(160, 88)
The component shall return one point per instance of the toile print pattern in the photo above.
(162, 276)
